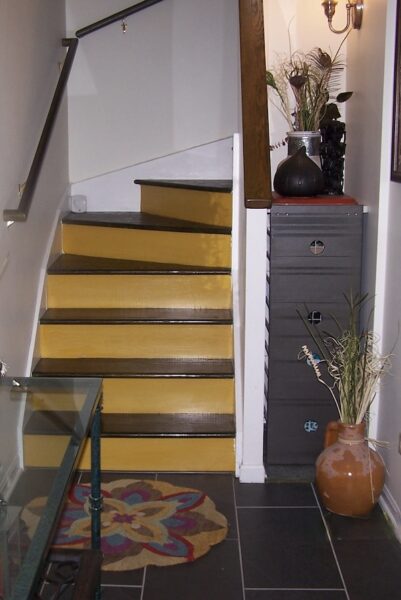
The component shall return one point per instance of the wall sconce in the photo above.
(354, 14)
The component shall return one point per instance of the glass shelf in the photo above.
(44, 424)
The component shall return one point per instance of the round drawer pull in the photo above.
(317, 247)
(315, 317)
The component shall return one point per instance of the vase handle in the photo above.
(331, 433)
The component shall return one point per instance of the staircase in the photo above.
(143, 300)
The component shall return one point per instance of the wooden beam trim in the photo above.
(257, 182)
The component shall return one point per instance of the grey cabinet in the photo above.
(315, 258)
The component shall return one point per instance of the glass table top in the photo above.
(44, 423)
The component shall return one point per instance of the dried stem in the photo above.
(354, 365)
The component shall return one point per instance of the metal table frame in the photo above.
(34, 560)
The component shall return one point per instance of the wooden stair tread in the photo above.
(141, 220)
(137, 425)
(182, 425)
(177, 425)
(204, 185)
(134, 367)
(75, 264)
(136, 315)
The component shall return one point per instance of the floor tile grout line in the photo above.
(143, 583)
(239, 541)
(122, 585)
(330, 541)
(260, 507)
(276, 589)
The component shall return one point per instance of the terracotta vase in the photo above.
(349, 474)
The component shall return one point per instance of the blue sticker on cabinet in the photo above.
(311, 426)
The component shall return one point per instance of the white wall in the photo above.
(364, 124)
(370, 178)
(369, 142)
(169, 83)
(117, 191)
(30, 48)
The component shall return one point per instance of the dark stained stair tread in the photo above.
(75, 264)
(136, 315)
(138, 425)
(134, 367)
(140, 220)
(179, 424)
(205, 185)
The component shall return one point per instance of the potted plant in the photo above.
(349, 473)
(303, 84)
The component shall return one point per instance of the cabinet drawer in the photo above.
(288, 332)
(295, 431)
(316, 231)
(305, 282)
(293, 379)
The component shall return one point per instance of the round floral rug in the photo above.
(144, 522)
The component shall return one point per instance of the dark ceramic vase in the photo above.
(349, 474)
(298, 175)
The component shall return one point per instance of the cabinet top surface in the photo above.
(313, 200)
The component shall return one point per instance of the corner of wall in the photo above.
(392, 510)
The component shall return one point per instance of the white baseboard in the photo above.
(238, 452)
(392, 510)
(252, 474)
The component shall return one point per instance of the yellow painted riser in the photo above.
(133, 454)
(211, 208)
(168, 396)
(152, 396)
(135, 341)
(139, 291)
(57, 401)
(209, 250)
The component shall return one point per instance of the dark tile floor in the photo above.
(281, 545)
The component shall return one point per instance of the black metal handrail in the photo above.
(256, 166)
(21, 213)
(119, 16)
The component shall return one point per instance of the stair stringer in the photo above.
(238, 298)
(53, 249)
